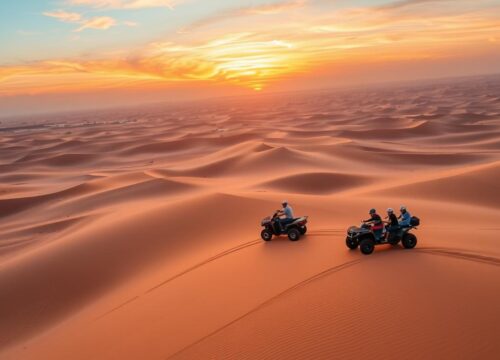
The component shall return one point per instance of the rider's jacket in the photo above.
(405, 219)
(377, 222)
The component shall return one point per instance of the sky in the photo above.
(74, 54)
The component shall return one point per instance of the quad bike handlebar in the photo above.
(276, 214)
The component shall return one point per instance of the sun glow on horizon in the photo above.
(240, 60)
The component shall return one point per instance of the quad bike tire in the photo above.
(409, 241)
(303, 230)
(294, 234)
(266, 235)
(351, 243)
(367, 246)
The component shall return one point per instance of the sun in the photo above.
(257, 87)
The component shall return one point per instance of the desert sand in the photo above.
(134, 234)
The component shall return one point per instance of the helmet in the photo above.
(390, 210)
(373, 211)
(402, 208)
(284, 202)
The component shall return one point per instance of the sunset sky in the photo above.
(66, 54)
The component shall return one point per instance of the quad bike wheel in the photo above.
(294, 234)
(303, 230)
(409, 241)
(266, 235)
(351, 243)
(367, 246)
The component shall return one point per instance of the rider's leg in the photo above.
(285, 222)
(280, 224)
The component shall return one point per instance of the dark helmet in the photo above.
(284, 203)
(373, 211)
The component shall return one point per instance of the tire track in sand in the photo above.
(118, 307)
(430, 250)
(285, 292)
(207, 261)
(184, 272)
(204, 262)
(463, 255)
(216, 257)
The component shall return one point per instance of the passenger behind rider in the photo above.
(392, 224)
(287, 212)
(376, 222)
(404, 217)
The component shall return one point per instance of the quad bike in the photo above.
(272, 226)
(364, 237)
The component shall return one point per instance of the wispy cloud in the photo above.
(405, 3)
(98, 22)
(124, 4)
(64, 16)
(231, 14)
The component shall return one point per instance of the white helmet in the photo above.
(390, 210)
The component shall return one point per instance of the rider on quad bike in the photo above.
(366, 238)
(392, 224)
(274, 225)
(377, 225)
(287, 212)
(404, 217)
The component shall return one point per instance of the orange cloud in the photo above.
(64, 16)
(231, 14)
(99, 22)
(237, 59)
(405, 3)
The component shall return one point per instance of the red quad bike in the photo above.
(364, 238)
(294, 229)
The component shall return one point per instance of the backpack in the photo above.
(414, 221)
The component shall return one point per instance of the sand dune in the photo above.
(136, 235)
(424, 128)
(259, 158)
(314, 183)
(108, 251)
(15, 205)
(476, 187)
